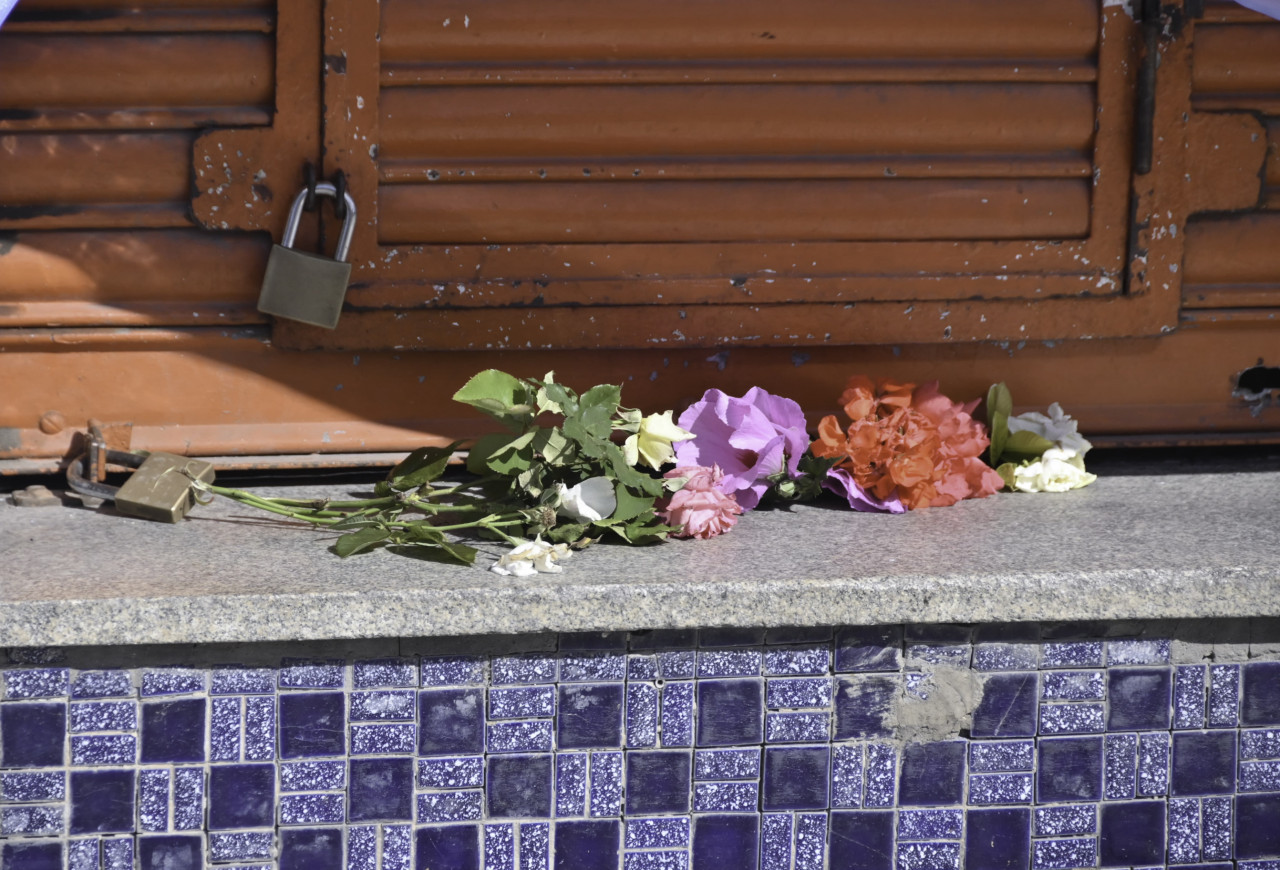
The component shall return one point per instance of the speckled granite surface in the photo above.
(1189, 546)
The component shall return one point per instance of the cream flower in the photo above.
(1058, 470)
(1057, 426)
(586, 502)
(652, 444)
(532, 557)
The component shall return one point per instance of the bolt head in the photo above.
(52, 422)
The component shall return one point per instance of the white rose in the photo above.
(1058, 470)
(586, 502)
(1056, 426)
(532, 557)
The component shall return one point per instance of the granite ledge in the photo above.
(1166, 547)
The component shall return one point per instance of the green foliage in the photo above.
(1009, 449)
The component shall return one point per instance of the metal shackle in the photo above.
(323, 188)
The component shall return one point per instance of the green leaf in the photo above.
(627, 475)
(355, 542)
(419, 533)
(1006, 474)
(999, 435)
(421, 467)
(356, 522)
(564, 399)
(999, 401)
(1025, 445)
(552, 445)
(501, 396)
(591, 445)
(629, 507)
(567, 533)
(514, 457)
(597, 407)
(485, 446)
(447, 552)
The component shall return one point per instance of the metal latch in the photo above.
(159, 490)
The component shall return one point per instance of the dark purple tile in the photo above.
(1261, 694)
(876, 648)
(731, 636)
(590, 716)
(32, 735)
(241, 796)
(729, 712)
(1008, 706)
(798, 634)
(102, 801)
(1070, 770)
(864, 706)
(173, 730)
(586, 845)
(1204, 762)
(1140, 699)
(861, 841)
(1257, 826)
(450, 721)
(312, 724)
(18, 855)
(519, 786)
(1132, 833)
(171, 853)
(663, 638)
(796, 778)
(380, 789)
(721, 841)
(658, 782)
(311, 849)
(932, 774)
(584, 640)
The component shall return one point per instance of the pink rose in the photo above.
(699, 508)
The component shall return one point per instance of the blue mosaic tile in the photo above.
(1070, 769)
(798, 693)
(864, 706)
(104, 749)
(153, 800)
(312, 674)
(1153, 764)
(592, 668)
(522, 702)
(1189, 697)
(102, 684)
(1140, 699)
(1071, 718)
(1073, 686)
(451, 721)
(881, 775)
(362, 848)
(642, 667)
(590, 716)
(1008, 706)
(726, 841)
(946, 655)
(384, 673)
(720, 764)
(1001, 755)
(241, 796)
(29, 787)
(241, 845)
(677, 714)
(677, 664)
(998, 839)
(776, 841)
(173, 730)
(519, 737)
(499, 847)
(225, 721)
(535, 846)
(587, 845)
(171, 852)
(381, 789)
(188, 799)
(462, 806)
(311, 849)
(1066, 820)
(451, 772)
(811, 841)
(172, 681)
(238, 680)
(1257, 834)
(796, 778)
(876, 648)
(1121, 766)
(259, 729)
(1224, 696)
(1215, 828)
(37, 683)
(1071, 654)
(312, 775)
(81, 855)
(1139, 652)
(726, 797)
(729, 663)
(605, 794)
(1006, 656)
(32, 735)
(1183, 831)
(370, 706)
(798, 727)
(1261, 694)
(1204, 762)
(380, 739)
(519, 786)
(658, 781)
(932, 774)
(642, 715)
(1000, 788)
(730, 712)
(1260, 744)
(797, 660)
(846, 776)
(397, 847)
(312, 724)
(1132, 833)
(666, 860)
(30, 820)
(1062, 854)
(102, 801)
(928, 856)
(861, 841)
(470, 670)
(930, 824)
(659, 833)
(1260, 776)
(571, 784)
(117, 853)
(31, 856)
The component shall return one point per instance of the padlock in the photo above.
(161, 488)
(308, 287)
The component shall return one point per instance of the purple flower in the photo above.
(841, 482)
(749, 438)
